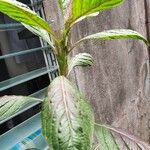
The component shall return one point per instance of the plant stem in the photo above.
(62, 54)
(63, 65)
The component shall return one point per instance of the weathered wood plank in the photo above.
(147, 10)
(118, 84)
(147, 7)
(53, 15)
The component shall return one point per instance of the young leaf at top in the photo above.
(23, 14)
(114, 34)
(81, 59)
(67, 119)
(81, 9)
(9, 105)
(63, 5)
(110, 138)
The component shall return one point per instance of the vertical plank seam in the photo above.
(147, 24)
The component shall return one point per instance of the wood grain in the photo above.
(117, 85)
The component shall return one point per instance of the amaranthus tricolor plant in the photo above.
(67, 118)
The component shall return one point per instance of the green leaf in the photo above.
(67, 119)
(110, 138)
(81, 9)
(23, 14)
(81, 59)
(41, 33)
(47, 121)
(63, 5)
(9, 105)
(105, 139)
(114, 34)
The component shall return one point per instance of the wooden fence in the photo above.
(117, 85)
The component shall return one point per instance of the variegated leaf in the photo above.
(41, 33)
(67, 119)
(81, 59)
(113, 35)
(23, 14)
(80, 9)
(63, 5)
(110, 138)
(9, 105)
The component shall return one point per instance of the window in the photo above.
(27, 64)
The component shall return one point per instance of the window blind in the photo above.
(29, 75)
(50, 67)
(13, 132)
